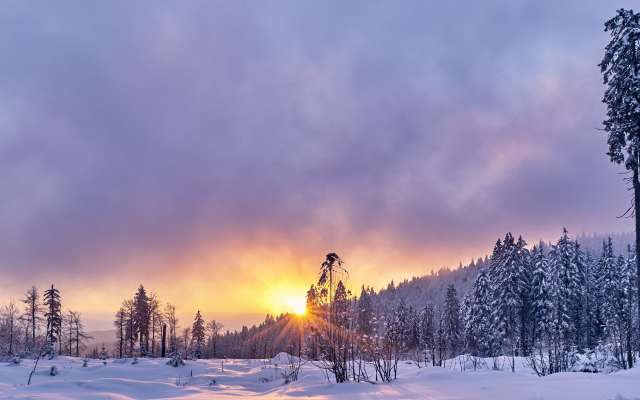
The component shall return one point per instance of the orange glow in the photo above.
(285, 298)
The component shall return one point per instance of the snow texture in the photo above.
(204, 379)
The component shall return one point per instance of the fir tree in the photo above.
(620, 69)
(198, 335)
(141, 319)
(478, 317)
(53, 316)
(427, 333)
(452, 321)
(365, 313)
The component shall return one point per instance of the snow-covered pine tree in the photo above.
(427, 333)
(523, 264)
(477, 320)
(507, 277)
(542, 308)
(593, 302)
(341, 306)
(53, 316)
(365, 313)
(198, 335)
(620, 69)
(565, 277)
(452, 321)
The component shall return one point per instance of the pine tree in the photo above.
(452, 321)
(340, 306)
(119, 324)
(620, 69)
(477, 323)
(542, 308)
(141, 317)
(198, 336)
(365, 313)
(427, 333)
(590, 302)
(53, 315)
(506, 275)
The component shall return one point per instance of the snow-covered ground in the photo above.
(204, 379)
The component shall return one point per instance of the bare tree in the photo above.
(172, 320)
(32, 316)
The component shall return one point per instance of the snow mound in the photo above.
(283, 358)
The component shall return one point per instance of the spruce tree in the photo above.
(428, 332)
(452, 321)
(541, 289)
(53, 316)
(620, 69)
(198, 335)
(141, 319)
(477, 323)
(365, 313)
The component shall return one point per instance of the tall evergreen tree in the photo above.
(620, 69)
(477, 321)
(428, 333)
(365, 313)
(452, 321)
(198, 335)
(141, 319)
(542, 307)
(53, 315)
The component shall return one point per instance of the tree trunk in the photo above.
(636, 203)
(164, 336)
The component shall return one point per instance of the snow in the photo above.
(204, 379)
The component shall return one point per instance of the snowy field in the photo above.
(204, 379)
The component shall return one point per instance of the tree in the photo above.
(478, 317)
(214, 328)
(452, 322)
(32, 315)
(53, 315)
(365, 313)
(428, 333)
(157, 320)
(119, 324)
(620, 69)
(10, 316)
(507, 275)
(172, 320)
(141, 319)
(76, 333)
(541, 304)
(198, 336)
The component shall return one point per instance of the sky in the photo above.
(215, 151)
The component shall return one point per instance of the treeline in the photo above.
(552, 304)
(37, 325)
(146, 328)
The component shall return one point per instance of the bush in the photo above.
(176, 361)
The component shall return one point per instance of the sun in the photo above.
(285, 298)
(297, 305)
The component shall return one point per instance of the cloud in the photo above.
(134, 136)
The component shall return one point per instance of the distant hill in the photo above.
(431, 288)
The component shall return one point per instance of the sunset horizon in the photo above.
(222, 199)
